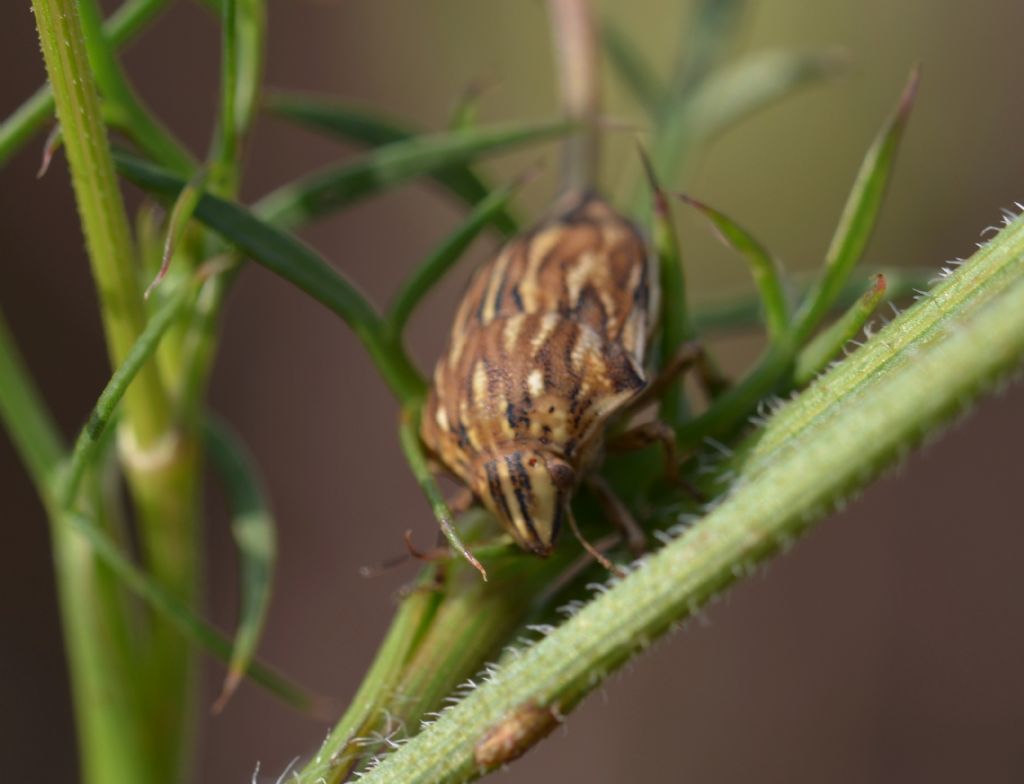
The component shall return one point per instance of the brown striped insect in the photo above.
(548, 345)
(549, 342)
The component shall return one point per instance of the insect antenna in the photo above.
(596, 554)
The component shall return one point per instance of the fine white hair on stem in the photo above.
(574, 37)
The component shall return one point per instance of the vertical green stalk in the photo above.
(100, 207)
(105, 710)
(113, 708)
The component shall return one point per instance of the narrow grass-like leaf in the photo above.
(254, 532)
(815, 356)
(322, 192)
(251, 23)
(287, 256)
(764, 267)
(122, 26)
(633, 68)
(675, 327)
(744, 311)
(242, 31)
(28, 423)
(365, 127)
(858, 217)
(467, 107)
(191, 626)
(736, 92)
(177, 222)
(408, 434)
(103, 412)
(122, 105)
(434, 267)
(707, 33)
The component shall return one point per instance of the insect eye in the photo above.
(562, 474)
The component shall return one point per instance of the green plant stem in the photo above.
(862, 416)
(104, 221)
(160, 461)
(123, 25)
(103, 412)
(124, 109)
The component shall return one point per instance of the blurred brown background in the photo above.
(888, 646)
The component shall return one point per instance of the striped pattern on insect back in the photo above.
(539, 379)
(547, 345)
(528, 377)
(588, 264)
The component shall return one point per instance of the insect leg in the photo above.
(618, 514)
(652, 432)
(689, 355)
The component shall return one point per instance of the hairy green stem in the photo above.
(123, 25)
(830, 441)
(160, 463)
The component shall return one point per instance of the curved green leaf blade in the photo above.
(254, 532)
(858, 218)
(322, 192)
(88, 440)
(188, 623)
(756, 82)
(287, 256)
(815, 356)
(743, 311)
(365, 127)
(434, 267)
(765, 269)
(634, 69)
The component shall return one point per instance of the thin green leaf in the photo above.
(764, 267)
(744, 311)
(676, 328)
(816, 355)
(447, 254)
(191, 626)
(707, 34)
(322, 192)
(858, 218)
(287, 256)
(103, 412)
(734, 93)
(242, 33)
(633, 68)
(408, 434)
(251, 21)
(364, 127)
(337, 119)
(467, 107)
(181, 214)
(122, 104)
(123, 25)
(28, 423)
(254, 532)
